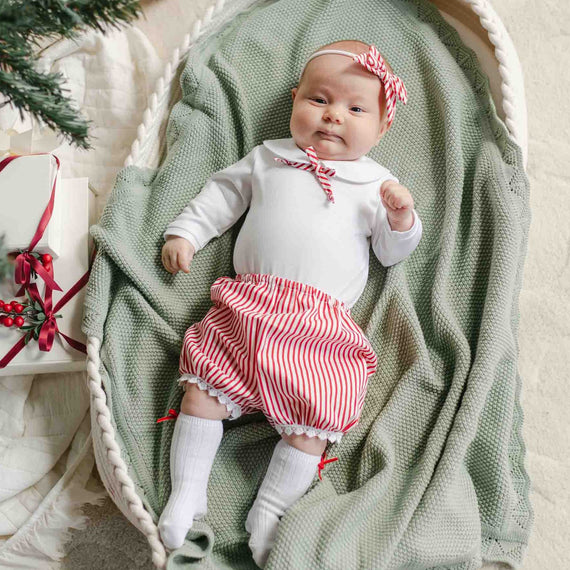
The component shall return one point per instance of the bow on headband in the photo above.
(393, 85)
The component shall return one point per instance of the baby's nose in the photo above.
(334, 116)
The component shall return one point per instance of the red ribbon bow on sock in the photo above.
(172, 415)
(323, 463)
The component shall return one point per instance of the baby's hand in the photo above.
(177, 253)
(398, 203)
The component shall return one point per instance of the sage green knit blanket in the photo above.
(433, 476)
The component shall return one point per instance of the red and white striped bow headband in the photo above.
(322, 172)
(374, 62)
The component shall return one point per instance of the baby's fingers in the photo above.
(397, 202)
(388, 200)
(170, 261)
(165, 262)
(183, 262)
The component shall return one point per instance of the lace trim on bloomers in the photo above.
(309, 431)
(235, 411)
(232, 407)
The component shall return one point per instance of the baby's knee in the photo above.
(312, 445)
(199, 403)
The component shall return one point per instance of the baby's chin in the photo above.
(326, 148)
(329, 148)
(332, 150)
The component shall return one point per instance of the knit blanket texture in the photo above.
(433, 476)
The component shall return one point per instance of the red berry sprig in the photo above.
(8, 312)
(18, 314)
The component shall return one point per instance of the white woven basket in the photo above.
(480, 29)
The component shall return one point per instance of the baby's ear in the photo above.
(294, 92)
(383, 131)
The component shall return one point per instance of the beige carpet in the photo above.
(539, 31)
(110, 542)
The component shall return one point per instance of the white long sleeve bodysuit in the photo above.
(292, 230)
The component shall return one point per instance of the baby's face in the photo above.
(337, 95)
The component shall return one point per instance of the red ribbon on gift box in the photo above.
(24, 261)
(49, 327)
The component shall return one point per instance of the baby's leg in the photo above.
(289, 475)
(197, 436)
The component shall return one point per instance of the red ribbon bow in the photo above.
(323, 463)
(172, 415)
(49, 327)
(25, 261)
(322, 172)
(393, 85)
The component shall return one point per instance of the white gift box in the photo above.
(73, 262)
(25, 190)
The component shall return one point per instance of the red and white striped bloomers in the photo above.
(284, 348)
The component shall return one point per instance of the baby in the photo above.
(280, 337)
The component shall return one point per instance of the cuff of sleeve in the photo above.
(184, 234)
(407, 233)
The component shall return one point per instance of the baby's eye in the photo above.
(359, 108)
(319, 100)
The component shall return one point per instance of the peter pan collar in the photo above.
(360, 171)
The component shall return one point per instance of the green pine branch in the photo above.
(24, 24)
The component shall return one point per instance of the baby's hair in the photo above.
(355, 46)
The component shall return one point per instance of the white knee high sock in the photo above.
(289, 475)
(194, 445)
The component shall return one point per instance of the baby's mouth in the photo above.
(329, 136)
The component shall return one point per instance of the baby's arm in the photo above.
(397, 228)
(221, 202)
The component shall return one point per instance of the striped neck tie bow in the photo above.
(321, 172)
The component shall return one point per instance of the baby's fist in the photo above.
(395, 196)
(177, 253)
(399, 205)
